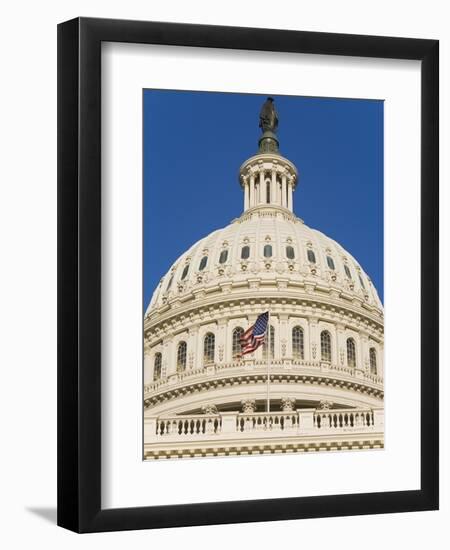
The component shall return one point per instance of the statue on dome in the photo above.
(268, 117)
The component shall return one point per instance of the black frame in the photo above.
(79, 268)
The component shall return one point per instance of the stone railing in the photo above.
(278, 366)
(234, 425)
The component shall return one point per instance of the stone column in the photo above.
(221, 341)
(284, 338)
(262, 188)
(362, 352)
(314, 339)
(252, 191)
(283, 191)
(246, 193)
(192, 354)
(273, 188)
(341, 358)
(148, 366)
(290, 186)
(169, 361)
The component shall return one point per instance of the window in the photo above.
(223, 256)
(297, 343)
(361, 281)
(272, 343)
(170, 283)
(268, 251)
(325, 345)
(311, 256)
(157, 366)
(268, 191)
(209, 344)
(185, 272)
(237, 334)
(351, 353)
(330, 262)
(203, 263)
(290, 252)
(245, 252)
(373, 360)
(347, 271)
(181, 356)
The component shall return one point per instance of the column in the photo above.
(246, 193)
(284, 339)
(314, 340)
(148, 366)
(252, 191)
(341, 345)
(362, 351)
(169, 361)
(289, 205)
(273, 188)
(283, 191)
(192, 355)
(221, 341)
(262, 188)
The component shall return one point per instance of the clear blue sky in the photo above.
(194, 143)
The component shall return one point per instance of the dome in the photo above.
(267, 245)
(314, 381)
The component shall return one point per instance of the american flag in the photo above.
(254, 336)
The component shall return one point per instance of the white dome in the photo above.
(334, 268)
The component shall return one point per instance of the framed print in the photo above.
(248, 275)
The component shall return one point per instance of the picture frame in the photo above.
(80, 275)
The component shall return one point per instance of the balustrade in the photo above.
(300, 422)
(277, 366)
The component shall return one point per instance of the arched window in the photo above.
(325, 345)
(268, 191)
(185, 272)
(373, 360)
(237, 334)
(203, 263)
(157, 366)
(271, 337)
(181, 356)
(330, 262)
(267, 251)
(223, 256)
(347, 271)
(311, 256)
(245, 252)
(351, 352)
(298, 343)
(209, 344)
(290, 252)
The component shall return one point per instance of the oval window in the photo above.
(311, 256)
(268, 251)
(245, 252)
(290, 253)
(330, 262)
(185, 272)
(203, 263)
(223, 256)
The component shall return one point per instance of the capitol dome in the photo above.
(322, 363)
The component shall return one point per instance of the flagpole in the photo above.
(268, 363)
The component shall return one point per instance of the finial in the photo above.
(268, 122)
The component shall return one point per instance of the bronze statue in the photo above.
(268, 117)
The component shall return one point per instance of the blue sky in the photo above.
(194, 143)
